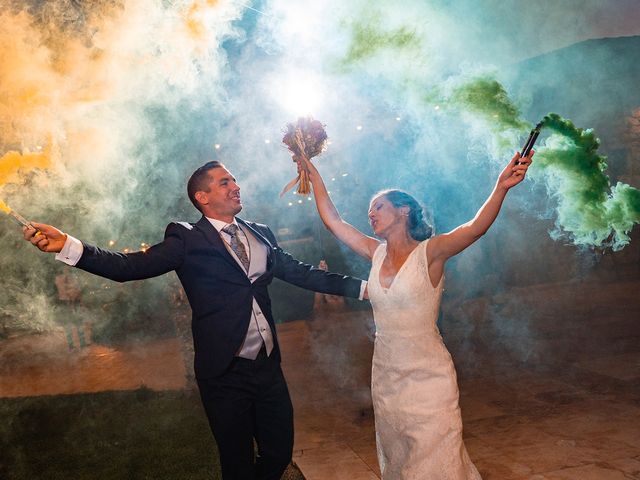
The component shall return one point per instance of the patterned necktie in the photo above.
(236, 245)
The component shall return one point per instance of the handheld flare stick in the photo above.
(16, 216)
(533, 136)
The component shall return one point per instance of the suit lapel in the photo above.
(212, 235)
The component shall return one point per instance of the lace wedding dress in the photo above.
(414, 387)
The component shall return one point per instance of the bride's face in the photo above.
(384, 217)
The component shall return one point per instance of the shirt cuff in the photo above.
(71, 252)
(363, 287)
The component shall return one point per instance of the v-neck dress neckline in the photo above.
(395, 277)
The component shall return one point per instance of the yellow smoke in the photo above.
(14, 164)
(28, 86)
(77, 75)
(42, 87)
(196, 17)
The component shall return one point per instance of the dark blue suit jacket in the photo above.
(219, 291)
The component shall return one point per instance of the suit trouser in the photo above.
(250, 400)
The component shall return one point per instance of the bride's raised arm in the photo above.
(357, 241)
(442, 247)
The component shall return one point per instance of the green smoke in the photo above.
(482, 95)
(590, 211)
(372, 39)
(369, 38)
(487, 98)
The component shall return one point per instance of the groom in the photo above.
(225, 265)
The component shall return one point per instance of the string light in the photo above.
(217, 146)
(254, 9)
(359, 127)
(266, 140)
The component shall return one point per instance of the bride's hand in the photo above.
(305, 164)
(515, 171)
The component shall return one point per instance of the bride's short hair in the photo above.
(417, 225)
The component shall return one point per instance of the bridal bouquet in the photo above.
(306, 138)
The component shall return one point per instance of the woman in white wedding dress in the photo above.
(413, 384)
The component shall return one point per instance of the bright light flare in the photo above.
(299, 93)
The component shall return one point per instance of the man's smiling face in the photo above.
(222, 201)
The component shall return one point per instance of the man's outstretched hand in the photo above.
(46, 237)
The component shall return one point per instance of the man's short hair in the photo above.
(199, 181)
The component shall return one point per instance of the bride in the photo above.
(413, 386)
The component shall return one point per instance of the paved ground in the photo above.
(43, 365)
(549, 380)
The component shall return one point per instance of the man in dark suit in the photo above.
(225, 265)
